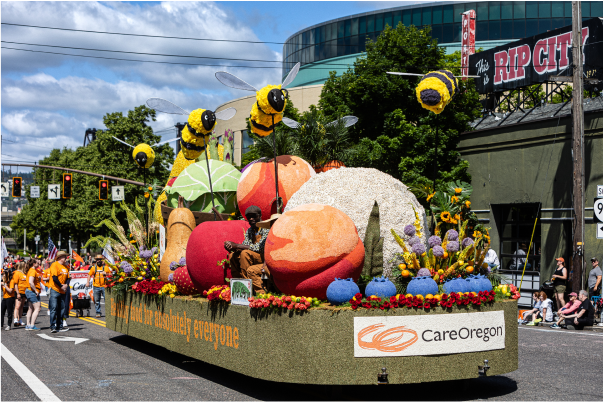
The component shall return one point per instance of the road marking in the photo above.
(33, 382)
(63, 338)
(561, 332)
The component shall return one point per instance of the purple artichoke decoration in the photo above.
(173, 265)
(438, 251)
(418, 248)
(410, 230)
(126, 267)
(467, 241)
(171, 277)
(413, 240)
(423, 272)
(452, 234)
(182, 262)
(146, 254)
(434, 241)
(452, 246)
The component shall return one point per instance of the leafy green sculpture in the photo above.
(373, 245)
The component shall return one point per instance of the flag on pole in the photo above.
(4, 250)
(52, 250)
(76, 256)
(107, 253)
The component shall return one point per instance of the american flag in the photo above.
(52, 250)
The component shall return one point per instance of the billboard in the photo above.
(467, 40)
(534, 60)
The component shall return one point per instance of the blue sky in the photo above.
(49, 100)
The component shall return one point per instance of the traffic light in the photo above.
(103, 190)
(17, 182)
(67, 183)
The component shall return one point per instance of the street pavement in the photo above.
(553, 365)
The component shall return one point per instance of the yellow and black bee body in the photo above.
(436, 90)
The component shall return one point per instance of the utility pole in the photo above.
(577, 148)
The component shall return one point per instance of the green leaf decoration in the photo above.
(373, 245)
(193, 185)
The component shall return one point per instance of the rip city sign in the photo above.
(533, 60)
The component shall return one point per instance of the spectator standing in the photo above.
(594, 279)
(559, 279)
(67, 306)
(34, 279)
(570, 308)
(585, 315)
(99, 274)
(59, 283)
(9, 289)
(20, 278)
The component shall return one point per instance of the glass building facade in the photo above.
(497, 22)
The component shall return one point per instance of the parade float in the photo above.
(362, 291)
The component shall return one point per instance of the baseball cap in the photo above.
(573, 294)
(594, 259)
(560, 259)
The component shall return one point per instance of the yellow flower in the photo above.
(146, 195)
(445, 216)
(458, 190)
(430, 196)
(172, 295)
(132, 241)
(477, 234)
(150, 188)
(456, 216)
(454, 199)
(468, 204)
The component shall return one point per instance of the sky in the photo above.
(49, 100)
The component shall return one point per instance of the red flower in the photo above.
(358, 296)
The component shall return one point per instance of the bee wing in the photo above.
(468, 76)
(123, 142)
(396, 73)
(348, 121)
(165, 142)
(234, 82)
(226, 114)
(290, 123)
(161, 105)
(291, 76)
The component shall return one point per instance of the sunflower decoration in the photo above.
(436, 90)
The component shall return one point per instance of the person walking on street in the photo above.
(594, 279)
(9, 289)
(559, 279)
(20, 279)
(32, 293)
(99, 274)
(67, 305)
(59, 283)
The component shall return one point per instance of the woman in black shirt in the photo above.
(559, 281)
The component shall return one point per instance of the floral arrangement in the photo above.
(168, 289)
(506, 291)
(218, 293)
(427, 302)
(274, 302)
(148, 286)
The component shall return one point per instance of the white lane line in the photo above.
(561, 331)
(33, 382)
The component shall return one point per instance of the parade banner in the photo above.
(534, 60)
(78, 284)
(424, 335)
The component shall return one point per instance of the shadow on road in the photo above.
(478, 388)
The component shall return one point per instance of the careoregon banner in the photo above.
(423, 335)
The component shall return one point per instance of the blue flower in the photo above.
(171, 277)
(182, 262)
(413, 240)
(146, 254)
(126, 267)
(173, 265)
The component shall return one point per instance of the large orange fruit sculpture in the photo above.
(311, 245)
(256, 186)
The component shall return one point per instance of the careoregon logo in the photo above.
(390, 340)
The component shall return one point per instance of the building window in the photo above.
(519, 9)
(370, 23)
(397, 18)
(586, 9)
(456, 30)
(531, 9)
(348, 28)
(506, 29)
(436, 33)
(426, 15)
(557, 23)
(482, 12)
(494, 10)
(437, 15)
(416, 17)
(354, 26)
(378, 22)
(448, 17)
(340, 30)
(407, 18)
(494, 27)
(387, 20)
(519, 29)
(544, 25)
(362, 25)
(596, 9)
(481, 31)
(247, 141)
(447, 34)
(568, 9)
(516, 223)
(506, 10)
(544, 9)
(458, 11)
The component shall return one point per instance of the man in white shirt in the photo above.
(492, 260)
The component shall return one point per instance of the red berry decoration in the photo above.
(183, 282)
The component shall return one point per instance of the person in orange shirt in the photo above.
(100, 272)
(8, 297)
(59, 283)
(34, 279)
(20, 279)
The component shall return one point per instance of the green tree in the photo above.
(394, 133)
(78, 216)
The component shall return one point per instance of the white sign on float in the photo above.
(4, 188)
(439, 334)
(240, 291)
(34, 191)
(161, 241)
(54, 191)
(117, 193)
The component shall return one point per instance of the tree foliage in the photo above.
(394, 133)
(78, 216)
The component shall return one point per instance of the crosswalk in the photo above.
(88, 319)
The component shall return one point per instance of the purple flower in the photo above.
(182, 262)
(434, 241)
(171, 277)
(413, 240)
(452, 234)
(452, 246)
(173, 265)
(418, 248)
(438, 251)
(146, 254)
(423, 272)
(126, 267)
(410, 230)
(467, 241)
